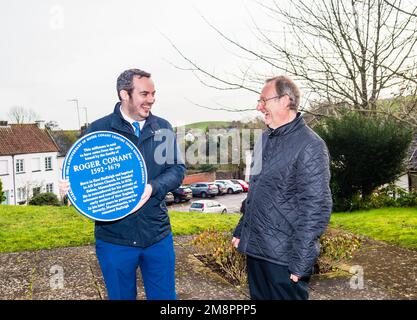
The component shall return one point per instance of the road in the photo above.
(231, 201)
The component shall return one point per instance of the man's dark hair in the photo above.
(125, 80)
(285, 86)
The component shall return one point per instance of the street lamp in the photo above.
(78, 111)
(86, 118)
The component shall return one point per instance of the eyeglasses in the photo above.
(263, 101)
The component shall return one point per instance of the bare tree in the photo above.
(390, 3)
(19, 114)
(353, 54)
(52, 125)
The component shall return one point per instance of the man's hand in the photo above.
(235, 242)
(294, 278)
(145, 196)
(64, 186)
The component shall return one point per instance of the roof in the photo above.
(25, 138)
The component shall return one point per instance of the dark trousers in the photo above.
(269, 281)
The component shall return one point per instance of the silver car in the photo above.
(207, 206)
(231, 187)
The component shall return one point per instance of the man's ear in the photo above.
(124, 95)
(287, 101)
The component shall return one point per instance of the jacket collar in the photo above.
(119, 123)
(287, 128)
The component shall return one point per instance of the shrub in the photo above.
(2, 196)
(215, 248)
(389, 196)
(45, 199)
(334, 248)
(207, 168)
(366, 152)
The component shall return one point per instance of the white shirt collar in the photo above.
(130, 120)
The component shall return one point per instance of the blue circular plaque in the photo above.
(107, 176)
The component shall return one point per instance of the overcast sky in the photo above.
(52, 51)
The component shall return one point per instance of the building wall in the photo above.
(222, 175)
(34, 175)
(200, 177)
(6, 169)
(60, 165)
(402, 182)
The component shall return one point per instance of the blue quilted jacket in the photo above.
(289, 201)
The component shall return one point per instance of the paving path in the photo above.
(389, 272)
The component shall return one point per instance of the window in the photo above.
(36, 191)
(4, 167)
(50, 187)
(48, 163)
(36, 164)
(21, 194)
(20, 166)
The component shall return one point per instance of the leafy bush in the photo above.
(389, 196)
(45, 199)
(2, 196)
(366, 152)
(207, 168)
(334, 248)
(216, 249)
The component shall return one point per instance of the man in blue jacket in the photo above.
(144, 238)
(289, 201)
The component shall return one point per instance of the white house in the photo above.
(408, 181)
(28, 161)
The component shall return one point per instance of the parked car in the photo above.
(208, 206)
(231, 187)
(182, 193)
(222, 188)
(204, 189)
(242, 183)
(169, 198)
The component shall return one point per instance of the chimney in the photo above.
(4, 123)
(40, 124)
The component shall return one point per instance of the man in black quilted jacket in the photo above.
(289, 201)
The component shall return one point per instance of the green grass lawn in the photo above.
(41, 227)
(394, 225)
(32, 227)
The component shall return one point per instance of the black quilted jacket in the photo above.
(289, 201)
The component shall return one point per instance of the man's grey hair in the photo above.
(125, 80)
(285, 86)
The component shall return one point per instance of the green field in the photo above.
(35, 227)
(205, 124)
(32, 227)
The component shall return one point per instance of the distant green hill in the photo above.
(205, 124)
